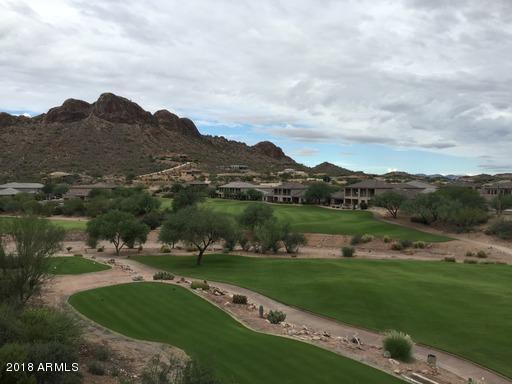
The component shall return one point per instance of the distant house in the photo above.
(499, 188)
(31, 188)
(366, 190)
(9, 192)
(82, 191)
(426, 187)
(337, 199)
(287, 193)
(235, 189)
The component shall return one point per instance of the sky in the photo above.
(412, 85)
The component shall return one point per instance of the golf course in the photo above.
(171, 314)
(445, 305)
(68, 225)
(313, 219)
(73, 265)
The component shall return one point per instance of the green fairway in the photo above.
(461, 308)
(307, 218)
(68, 225)
(73, 265)
(173, 315)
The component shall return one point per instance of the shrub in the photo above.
(275, 317)
(138, 278)
(100, 249)
(356, 239)
(165, 249)
(200, 285)
(501, 228)
(387, 239)
(363, 205)
(405, 243)
(399, 345)
(96, 368)
(481, 254)
(450, 259)
(470, 261)
(101, 353)
(419, 244)
(78, 255)
(470, 254)
(69, 249)
(239, 299)
(397, 246)
(348, 251)
(163, 276)
(366, 238)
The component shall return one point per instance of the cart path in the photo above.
(64, 286)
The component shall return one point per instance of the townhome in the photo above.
(491, 190)
(82, 191)
(287, 193)
(366, 190)
(15, 188)
(234, 189)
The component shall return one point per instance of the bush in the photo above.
(138, 278)
(348, 251)
(366, 238)
(481, 255)
(397, 247)
(78, 255)
(239, 299)
(96, 368)
(387, 239)
(356, 239)
(470, 254)
(275, 317)
(470, 261)
(405, 243)
(501, 228)
(399, 345)
(163, 276)
(101, 249)
(101, 353)
(419, 244)
(165, 249)
(200, 285)
(450, 259)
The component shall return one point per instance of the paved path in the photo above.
(459, 366)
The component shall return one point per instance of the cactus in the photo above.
(261, 311)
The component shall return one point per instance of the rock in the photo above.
(270, 149)
(326, 334)
(355, 339)
(397, 371)
(71, 110)
(316, 338)
(117, 109)
(386, 354)
(393, 361)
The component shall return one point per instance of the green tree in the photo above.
(119, 228)
(200, 227)
(23, 272)
(425, 207)
(392, 201)
(292, 240)
(318, 193)
(255, 214)
(254, 195)
(73, 206)
(187, 197)
(269, 236)
(501, 203)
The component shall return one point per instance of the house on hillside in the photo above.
(287, 193)
(366, 190)
(491, 190)
(15, 188)
(82, 191)
(235, 189)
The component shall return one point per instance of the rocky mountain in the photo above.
(115, 136)
(331, 169)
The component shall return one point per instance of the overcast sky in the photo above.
(421, 86)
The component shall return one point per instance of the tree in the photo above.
(255, 214)
(119, 228)
(425, 207)
(254, 195)
(292, 240)
(501, 203)
(268, 236)
(187, 197)
(318, 193)
(392, 201)
(200, 227)
(23, 271)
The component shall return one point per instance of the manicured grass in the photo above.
(73, 265)
(173, 315)
(68, 225)
(313, 219)
(461, 308)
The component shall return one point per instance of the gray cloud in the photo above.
(430, 75)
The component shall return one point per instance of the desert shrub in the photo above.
(165, 249)
(293, 240)
(356, 239)
(399, 345)
(481, 254)
(101, 353)
(419, 244)
(366, 238)
(101, 249)
(200, 285)
(348, 251)
(386, 239)
(450, 259)
(162, 275)
(501, 228)
(363, 205)
(470, 261)
(78, 255)
(470, 254)
(69, 249)
(275, 317)
(397, 247)
(239, 299)
(96, 368)
(138, 278)
(405, 243)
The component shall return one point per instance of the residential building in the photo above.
(337, 199)
(491, 190)
(9, 192)
(82, 191)
(426, 187)
(31, 188)
(287, 193)
(234, 189)
(366, 190)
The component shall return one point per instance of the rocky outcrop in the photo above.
(118, 109)
(71, 110)
(270, 149)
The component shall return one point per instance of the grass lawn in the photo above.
(173, 315)
(461, 308)
(68, 225)
(313, 219)
(73, 265)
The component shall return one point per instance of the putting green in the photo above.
(171, 314)
(461, 308)
(73, 265)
